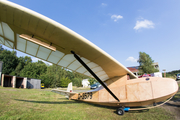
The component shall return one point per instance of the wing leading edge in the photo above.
(16, 20)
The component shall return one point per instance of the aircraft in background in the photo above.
(34, 34)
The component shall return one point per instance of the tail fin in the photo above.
(69, 89)
(67, 93)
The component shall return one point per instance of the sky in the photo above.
(122, 28)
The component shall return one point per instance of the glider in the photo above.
(34, 34)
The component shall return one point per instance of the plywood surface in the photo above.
(136, 92)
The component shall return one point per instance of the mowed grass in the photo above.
(35, 104)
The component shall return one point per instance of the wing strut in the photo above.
(94, 75)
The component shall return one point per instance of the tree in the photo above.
(45, 78)
(77, 82)
(34, 70)
(22, 62)
(64, 82)
(10, 61)
(92, 81)
(146, 63)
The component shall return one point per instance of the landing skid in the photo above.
(121, 110)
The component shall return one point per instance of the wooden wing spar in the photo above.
(41, 37)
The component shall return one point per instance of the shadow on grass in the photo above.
(174, 105)
(115, 108)
(176, 98)
(134, 111)
(64, 101)
(138, 111)
(174, 102)
(78, 102)
(50, 102)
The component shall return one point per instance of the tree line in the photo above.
(50, 75)
(56, 76)
(172, 73)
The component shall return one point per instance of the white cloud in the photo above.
(103, 4)
(131, 59)
(144, 24)
(116, 17)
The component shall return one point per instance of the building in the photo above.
(135, 69)
(19, 82)
(156, 65)
(85, 83)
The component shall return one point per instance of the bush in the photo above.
(64, 82)
(77, 82)
(92, 81)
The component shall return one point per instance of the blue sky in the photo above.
(122, 28)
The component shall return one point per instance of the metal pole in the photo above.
(94, 75)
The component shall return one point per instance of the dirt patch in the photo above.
(173, 106)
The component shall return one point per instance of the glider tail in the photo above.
(69, 93)
(69, 89)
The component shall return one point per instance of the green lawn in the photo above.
(34, 104)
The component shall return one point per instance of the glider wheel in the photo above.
(120, 111)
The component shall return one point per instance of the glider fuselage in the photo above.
(134, 92)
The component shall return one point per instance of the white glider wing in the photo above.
(34, 34)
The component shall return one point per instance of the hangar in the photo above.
(20, 82)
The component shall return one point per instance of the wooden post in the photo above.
(2, 80)
(164, 72)
(14, 82)
(25, 82)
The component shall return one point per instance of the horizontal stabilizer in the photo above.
(62, 92)
(65, 93)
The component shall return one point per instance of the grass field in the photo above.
(35, 104)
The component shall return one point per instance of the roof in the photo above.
(133, 69)
(16, 20)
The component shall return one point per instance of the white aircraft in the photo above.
(34, 34)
